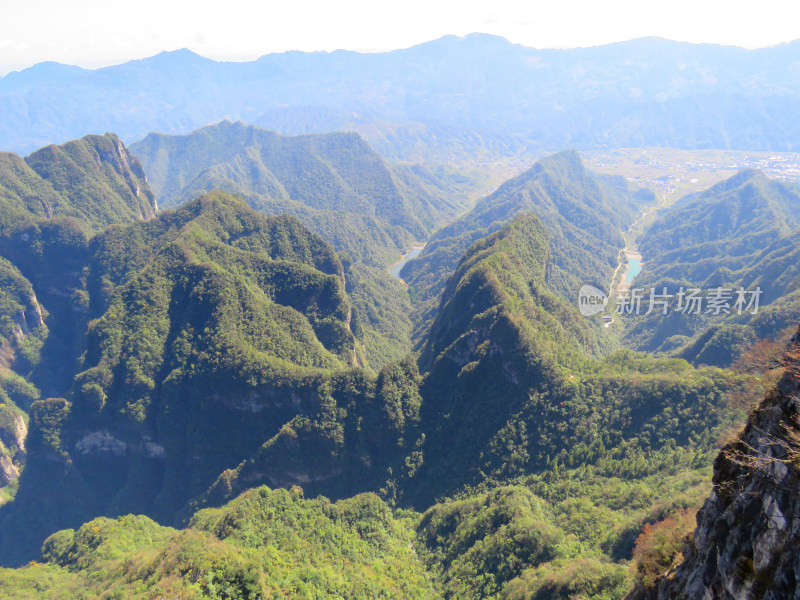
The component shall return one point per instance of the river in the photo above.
(634, 266)
(395, 269)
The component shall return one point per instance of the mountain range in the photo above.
(585, 215)
(210, 386)
(738, 234)
(421, 102)
(371, 211)
(334, 182)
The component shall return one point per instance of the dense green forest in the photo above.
(369, 210)
(94, 179)
(739, 233)
(335, 183)
(202, 301)
(265, 544)
(585, 215)
(50, 204)
(207, 401)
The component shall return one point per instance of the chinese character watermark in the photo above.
(685, 301)
(689, 301)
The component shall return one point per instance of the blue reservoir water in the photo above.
(395, 269)
(634, 268)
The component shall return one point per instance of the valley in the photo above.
(674, 173)
(309, 326)
(255, 324)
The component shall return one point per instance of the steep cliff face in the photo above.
(745, 545)
(98, 180)
(94, 179)
(204, 331)
(13, 431)
(20, 313)
(51, 203)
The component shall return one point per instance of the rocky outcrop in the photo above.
(95, 179)
(747, 542)
(8, 470)
(12, 447)
(130, 170)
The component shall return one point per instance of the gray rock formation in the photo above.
(747, 542)
(12, 448)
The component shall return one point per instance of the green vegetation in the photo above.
(338, 187)
(554, 461)
(507, 358)
(740, 233)
(15, 392)
(335, 183)
(51, 202)
(381, 312)
(94, 179)
(558, 537)
(359, 434)
(167, 366)
(209, 319)
(265, 544)
(22, 328)
(584, 215)
(51, 254)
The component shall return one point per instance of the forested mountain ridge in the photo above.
(317, 177)
(483, 415)
(506, 352)
(265, 544)
(475, 94)
(466, 331)
(369, 210)
(50, 204)
(211, 349)
(95, 179)
(509, 358)
(584, 214)
(204, 321)
(731, 220)
(740, 233)
(536, 328)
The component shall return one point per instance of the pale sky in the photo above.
(94, 33)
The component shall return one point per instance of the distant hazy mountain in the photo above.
(334, 182)
(479, 92)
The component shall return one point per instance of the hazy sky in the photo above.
(101, 32)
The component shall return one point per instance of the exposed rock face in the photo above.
(747, 542)
(130, 170)
(12, 449)
(95, 179)
(101, 442)
(8, 470)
